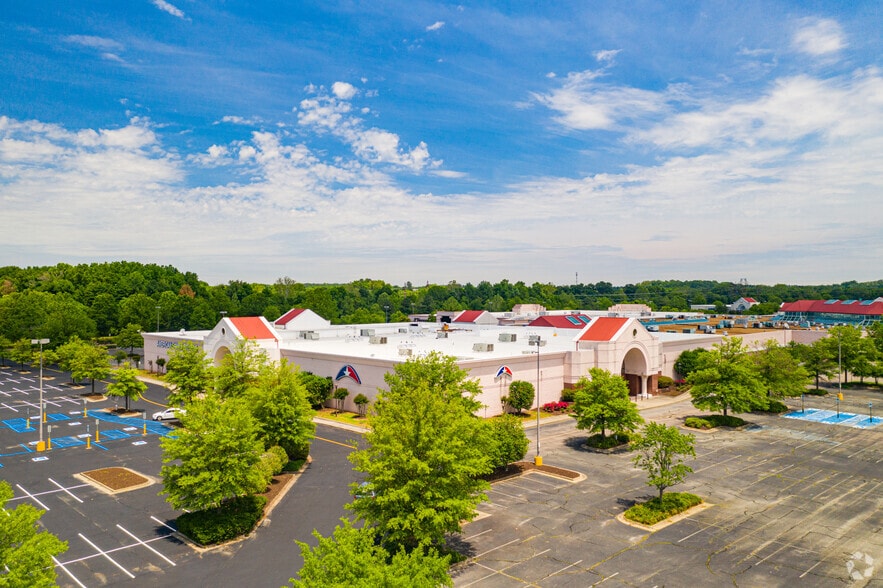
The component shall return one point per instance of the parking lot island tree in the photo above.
(26, 552)
(129, 337)
(521, 394)
(661, 454)
(278, 401)
(340, 395)
(602, 403)
(423, 467)
(22, 352)
(726, 380)
(126, 384)
(781, 373)
(353, 557)
(361, 401)
(213, 457)
(189, 372)
(508, 442)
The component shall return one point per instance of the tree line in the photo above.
(100, 299)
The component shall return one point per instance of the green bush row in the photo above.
(608, 442)
(714, 420)
(233, 518)
(664, 382)
(658, 509)
(775, 407)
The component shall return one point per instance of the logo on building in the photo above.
(504, 372)
(348, 371)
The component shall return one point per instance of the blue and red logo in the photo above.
(348, 371)
(504, 372)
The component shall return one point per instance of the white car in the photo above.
(170, 414)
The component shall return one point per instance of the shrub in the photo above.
(714, 420)
(661, 508)
(815, 392)
(281, 455)
(775, 407)
(568, 395)
(698, 423)
(555, 406)
(665, 382)
(508, 439)
(233, 518)
(596, 441)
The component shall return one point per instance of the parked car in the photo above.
(170, 414)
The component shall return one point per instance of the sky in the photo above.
(555, 142)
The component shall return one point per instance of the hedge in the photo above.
(235, 517)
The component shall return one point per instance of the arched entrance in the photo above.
(222, 352)
(634, 370)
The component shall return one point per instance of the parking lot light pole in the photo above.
(41, 342)
(538, 341)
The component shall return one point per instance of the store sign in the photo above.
(348, 371)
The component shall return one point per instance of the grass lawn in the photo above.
(528, 415)
(349, 418)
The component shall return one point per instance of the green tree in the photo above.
(507, 442)
(213, 457)
(26, 552)
(687, 361)
(354, 558)
(845, 346)
(781, 374)
(340, 395)
(120, 356)
(240, 368)
(160, 364)
(602, 403)
(816, 359)
(129, 336)
(725, 379)
(5, 348)
(279, 403)
(520, 396)
(126, 385)
(22, 352)
(421, 460)
(188, 370)
(318, 388)
(65, 355)
(90, 361)
(361, 401)
(661, 447)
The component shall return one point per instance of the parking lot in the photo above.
(128, 538)
(789, 503)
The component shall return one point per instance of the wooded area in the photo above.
(100, 299)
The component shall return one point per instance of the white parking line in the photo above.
(48, 492)
(144, 544)
(68, 572)
(501, 546)
(810, 569)
(467, 538)
(9, 407)
(576, 563)
(66, 491)
(163, 524)
(110, 559)
(691, 534)
(717, 463)
(613, 575)
(34, 498)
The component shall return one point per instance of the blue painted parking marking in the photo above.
(114, 434)
(62, 442)
(57, 416)
(830, 417)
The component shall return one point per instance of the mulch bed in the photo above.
(522, 467)
(117, 479)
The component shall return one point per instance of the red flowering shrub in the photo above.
(555, 406)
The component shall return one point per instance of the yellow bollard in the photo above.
(89, 442)
(538, 460)
(41, 446)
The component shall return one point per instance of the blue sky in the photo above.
(425, 141)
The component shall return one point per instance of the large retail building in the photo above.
(554, 350)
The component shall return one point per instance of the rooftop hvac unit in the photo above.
(442, 335)
(482, 347)
(376, 340)
(311, 335)
(366, 333)
(406, 351)
(403, 329)
(508, 337)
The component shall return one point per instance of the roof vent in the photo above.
(482, 347)
(376, 340)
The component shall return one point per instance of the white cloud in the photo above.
(818, 37)
(607, 55)
(102, 43)
(166, 7)
(436, 25)
(584, 102)
(343, 90)
(332, 114)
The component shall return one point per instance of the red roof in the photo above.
(468, 316)
(752, 300)
(252, 327)
(603, 328)
(561, 321)
(289, 316)
(864, 307)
